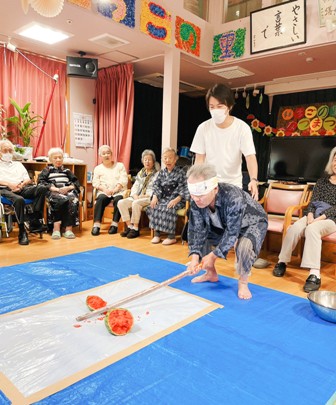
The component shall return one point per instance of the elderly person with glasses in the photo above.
(16, 186)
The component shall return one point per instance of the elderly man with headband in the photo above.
(222, 216)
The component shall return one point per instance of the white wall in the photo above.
(81, 95)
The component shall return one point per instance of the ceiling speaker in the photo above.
(82, 67)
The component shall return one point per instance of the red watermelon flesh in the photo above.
(119, 321)
(94, 302)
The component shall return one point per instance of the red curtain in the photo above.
(24, 82)
(114, 111)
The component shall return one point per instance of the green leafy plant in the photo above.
(25, 123)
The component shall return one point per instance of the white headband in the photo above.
(203, 187)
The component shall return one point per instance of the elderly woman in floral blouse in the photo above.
(170, 193)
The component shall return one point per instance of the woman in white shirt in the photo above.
(110, 181)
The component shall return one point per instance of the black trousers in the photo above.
(103, 201)
(35, 193)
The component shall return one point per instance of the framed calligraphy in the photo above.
(278, 26)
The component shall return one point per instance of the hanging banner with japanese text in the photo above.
(317, 119)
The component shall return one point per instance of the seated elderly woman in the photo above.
(63, 191)
(170, 193)
(139, 198)
(320, 221)
(110, 181)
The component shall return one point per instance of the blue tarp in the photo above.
(272, 349)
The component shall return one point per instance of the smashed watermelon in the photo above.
(119, 321)
(94, 302)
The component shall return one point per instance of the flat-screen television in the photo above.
(299, 159)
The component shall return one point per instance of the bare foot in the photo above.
(207, 276)
(243, 291)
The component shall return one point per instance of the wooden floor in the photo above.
(12, 253)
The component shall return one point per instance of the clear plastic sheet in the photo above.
(44, 344)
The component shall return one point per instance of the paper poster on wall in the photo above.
(278, 26)
(327, 11)
(83, 130)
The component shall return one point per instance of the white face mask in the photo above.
(219, 115)
(7, 157)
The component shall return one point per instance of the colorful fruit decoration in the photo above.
(119, 321)
(94, 302)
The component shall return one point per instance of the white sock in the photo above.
(96, 224)
(136, 228)
(315, 272)
(115, 224)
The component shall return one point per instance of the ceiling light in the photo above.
(42, 33)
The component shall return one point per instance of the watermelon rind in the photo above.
(119, 321)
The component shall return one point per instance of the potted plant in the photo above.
(24, 126)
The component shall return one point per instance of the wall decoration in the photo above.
(187, 36)
(82, 3)
(155, 21)
(258, 126)
(307, 120)
(229, 45)
(327, 9)
(278, 26)
(121, 11)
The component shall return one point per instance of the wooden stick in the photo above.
(123, 301)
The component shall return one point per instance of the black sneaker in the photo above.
(95, 231)
(23, 238)
(133, 234)
(125, 233)
(279, 269)
(112, 230)
(313, 283)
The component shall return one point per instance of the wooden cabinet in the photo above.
(79, 170)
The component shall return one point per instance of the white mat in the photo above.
(43, 349)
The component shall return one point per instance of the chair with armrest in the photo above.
(284, 204)
(328, 253)
(8, 215)
(109, 209)
(182, 216)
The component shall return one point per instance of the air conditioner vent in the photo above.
(232, 72)
(108, 41)
(156, 80)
